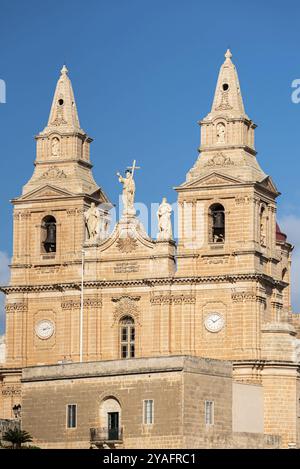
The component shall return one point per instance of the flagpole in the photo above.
(81, 309)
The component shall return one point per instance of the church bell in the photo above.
(218, 220)
(50, 241)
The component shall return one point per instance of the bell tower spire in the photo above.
(227, 133)
(228, 98)
(63, 147)
(63, 113)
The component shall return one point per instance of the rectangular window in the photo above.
(71, 416)
(209, 412)
(148, 411)
(124, 350)
(124, 334)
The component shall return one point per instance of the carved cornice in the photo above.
(226, 278)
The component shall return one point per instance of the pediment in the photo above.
(47, 191)
(268, 184)
(212, 179)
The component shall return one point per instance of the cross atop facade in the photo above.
(133, 167)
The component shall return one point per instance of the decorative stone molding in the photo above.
(75, 211)
(219, 159)
(173, 299)
(243, 199)
(247, 295)
(216, 259)
(53, 173)
(10, 390)
(127, 245)
(126, 267)
(16, 307)
(196, 280)
(48, 269)
(118, 298)
(224, 104)
(22, 215)
(126, 305)
(87, 303)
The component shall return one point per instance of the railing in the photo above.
(102, 434)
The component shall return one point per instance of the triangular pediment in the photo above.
(268, 184)
(45, 192)
(212, 179)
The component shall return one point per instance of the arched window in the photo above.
(127, 337)
(48, 234)
(216, 224)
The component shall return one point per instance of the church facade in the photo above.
(115, 339)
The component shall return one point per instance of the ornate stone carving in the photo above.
(127, 245)
(126, 267)
(10, 390)
(243, 296)
(219, 159)
(75, 211)
(224, 104)
(53, 173)
(118, 298)
(16, 307)
(22, 215)
(243, 199)
(88, 302)
(215, 259)
(126, 305)
(173, 299)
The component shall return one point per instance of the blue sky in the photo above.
(144, 73)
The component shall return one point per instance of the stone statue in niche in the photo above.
(92, 221)
(55, 147)
(262, 235)
(164, 221)
(221, 131)
(263, 227)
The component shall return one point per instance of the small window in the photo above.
(209, 412)
(71, 416)
(148, 411)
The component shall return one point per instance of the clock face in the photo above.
(44, 329)
(214, 322)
